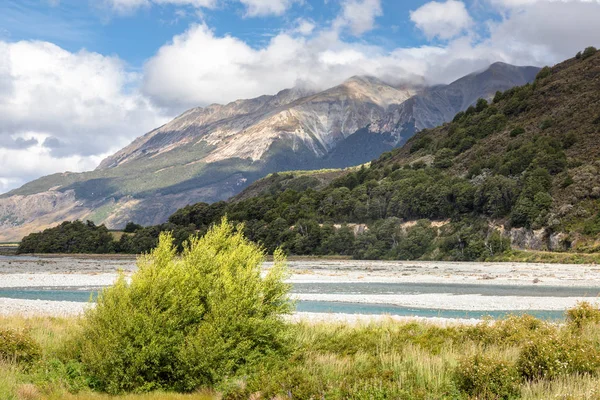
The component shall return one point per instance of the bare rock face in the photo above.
(18, 213)
(212, 153)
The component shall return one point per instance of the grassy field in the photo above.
(533, 256)
(519, 357)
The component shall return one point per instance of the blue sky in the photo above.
(80, 79)
(136, 35)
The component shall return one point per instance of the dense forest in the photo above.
(528, 159)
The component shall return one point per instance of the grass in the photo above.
(532, 256)
(386, 360)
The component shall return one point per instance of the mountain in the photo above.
(523, 170)
(212, 153)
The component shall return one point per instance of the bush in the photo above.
(545, 124)
(583, 314)
(588, 52)
(517, 131)
(485, 377)
(512, 330)
(187, 321)
(551, 356)
(544, 73)
(443, 158)
(18, 347)
(132, 227)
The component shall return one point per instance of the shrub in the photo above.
(423, 142)
(132, 227)
(588, 52)
(583, 314)
(512, 330)
(545, 124)
(569, 140)
(485, 377)
(544, 73)
(187, 321)
(481, 105)
(517, 131)
(18, 347)
(443, 158)
(551, 356)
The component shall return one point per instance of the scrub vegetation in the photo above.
(517, 357)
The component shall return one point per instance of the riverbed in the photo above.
(325, 289)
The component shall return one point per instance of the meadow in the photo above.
(517, 357)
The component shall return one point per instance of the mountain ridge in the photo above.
(214, 152)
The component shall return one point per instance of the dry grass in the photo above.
(339, 361)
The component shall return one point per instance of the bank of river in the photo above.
(332, 289)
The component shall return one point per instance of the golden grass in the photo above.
(376, 358)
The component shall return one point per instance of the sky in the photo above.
(80, 79)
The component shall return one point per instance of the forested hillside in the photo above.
(524, 168)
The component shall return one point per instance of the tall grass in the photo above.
(386, 360)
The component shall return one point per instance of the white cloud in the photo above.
(80, 102)
(521, 3)
(129, 6)
(254, 8)
(442, 20)
(266, 7)
(21, 166)
(359, 15)
(304, 27)
(211, 68)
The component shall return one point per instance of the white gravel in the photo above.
(41, 307)
(366, 319)
(445, 301)
(87, 272)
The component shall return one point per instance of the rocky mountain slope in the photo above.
(212, 153)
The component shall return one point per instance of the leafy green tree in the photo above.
(131, 227)
(443, 158)
(187, 321)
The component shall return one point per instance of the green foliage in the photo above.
(481, 105)
(588, 52)
(487, 377)
(559, 354)
(422, 142)
(18, 347)
(132, 227)
(544, 73)
(568, 140)
(517, 131)
(443, 159)
(582, 315)
(187, 321)
(545, 124)
(70, 237)
(592, 226)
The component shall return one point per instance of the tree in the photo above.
(588, 52)
(131, 227)
(443, 158)
(187, 321)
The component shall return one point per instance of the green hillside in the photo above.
(521, 170)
